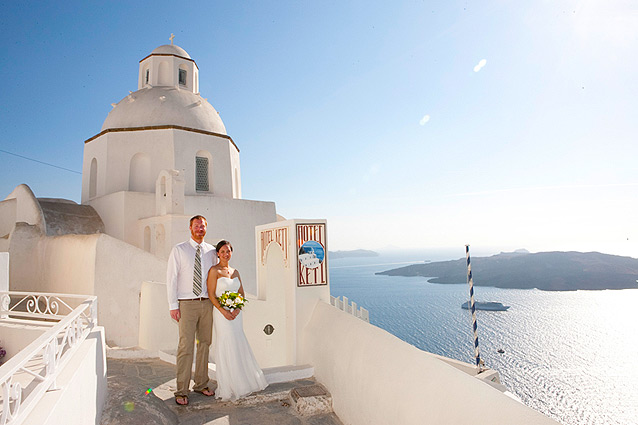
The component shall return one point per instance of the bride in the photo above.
(238, 373)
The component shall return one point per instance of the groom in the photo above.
(189, 305)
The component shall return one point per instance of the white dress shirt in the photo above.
(180, 270)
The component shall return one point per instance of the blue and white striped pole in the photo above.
(477, 355)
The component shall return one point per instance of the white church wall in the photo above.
(236, 173)
(361, 364)
(122, 148)
(188, 144)
(140, 178)
(120, 270)
(161, 72)
(94, 177)
(165, 232)
(164, 74)
(165, 149)
(169, 193)
(121, 211)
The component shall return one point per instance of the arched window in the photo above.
(182, 77)
(201, 174)
(203, 171)
(93, 179)
(139, 178)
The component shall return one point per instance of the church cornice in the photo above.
(169, 54)
(162, 127)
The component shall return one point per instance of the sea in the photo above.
(570, 355)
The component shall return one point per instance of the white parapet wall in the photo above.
(344, 304)
(158, 332)
(82, 387)
(375, 378)
(55, 371)
(87, 264)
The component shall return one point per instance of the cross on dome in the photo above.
(171, 38)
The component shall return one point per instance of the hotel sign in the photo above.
(311, 255)
(278, 236)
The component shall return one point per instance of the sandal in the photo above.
(182, 400)
(206, 390)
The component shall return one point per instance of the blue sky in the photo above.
(377, 116)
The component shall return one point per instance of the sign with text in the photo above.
(311, 255)
(278, 236)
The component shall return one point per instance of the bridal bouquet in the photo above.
(232, 300)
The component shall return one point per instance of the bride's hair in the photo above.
(222, 243)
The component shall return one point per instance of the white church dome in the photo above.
(171, 49)
(160, 106)
(168, 94)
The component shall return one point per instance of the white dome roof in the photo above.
(171, 49)
(156, 106)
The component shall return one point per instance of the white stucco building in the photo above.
(163, 155)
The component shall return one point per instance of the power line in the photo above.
(40, 162)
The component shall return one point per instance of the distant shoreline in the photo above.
(352, 253)
(548, 271)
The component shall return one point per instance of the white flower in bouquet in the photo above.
(232, 300)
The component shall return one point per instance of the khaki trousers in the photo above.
(195, 324)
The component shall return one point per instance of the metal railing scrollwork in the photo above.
(66, 319)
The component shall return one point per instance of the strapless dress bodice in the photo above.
(226, 284)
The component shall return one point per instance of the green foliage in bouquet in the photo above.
(232, 300)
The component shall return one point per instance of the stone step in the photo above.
(273, 375)
(311, 400)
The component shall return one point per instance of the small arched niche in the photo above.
(236, 184)
(147, 239)
(139, 178)
(164, 74)
(93, 179)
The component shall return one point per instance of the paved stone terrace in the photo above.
(130, 401)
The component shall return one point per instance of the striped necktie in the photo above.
(197, 274)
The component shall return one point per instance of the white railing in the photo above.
(26, 377)
(344, 305)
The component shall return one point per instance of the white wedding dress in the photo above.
(238, 373)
